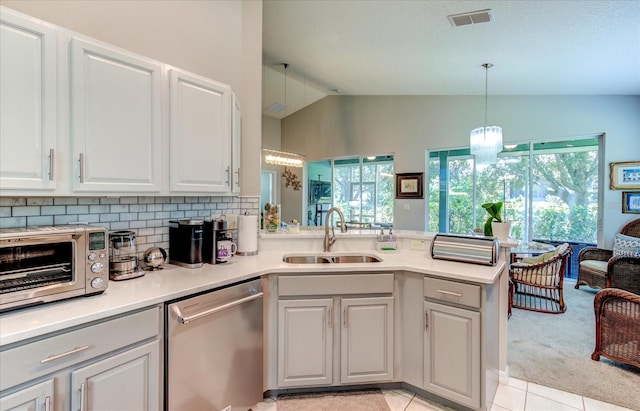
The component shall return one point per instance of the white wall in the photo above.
(409, 125)
(218, 39)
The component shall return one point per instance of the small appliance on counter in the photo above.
(185, 242)
(215, 232)
(154, 258)
(123, 256)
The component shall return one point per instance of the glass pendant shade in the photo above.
(486, 143)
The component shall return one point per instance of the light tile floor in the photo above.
(518, 395)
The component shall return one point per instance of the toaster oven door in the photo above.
(38, 270)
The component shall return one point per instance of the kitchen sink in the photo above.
(331, 258)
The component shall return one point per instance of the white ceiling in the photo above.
(402, 47)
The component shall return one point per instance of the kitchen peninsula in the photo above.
(402, 290)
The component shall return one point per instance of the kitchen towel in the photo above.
(247, 234)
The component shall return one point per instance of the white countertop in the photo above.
(174, 282)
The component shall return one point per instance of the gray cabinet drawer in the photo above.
(452, 291)
(340, 284)
(42, 357)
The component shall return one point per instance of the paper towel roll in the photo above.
(247, 235)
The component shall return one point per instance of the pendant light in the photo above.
(282, 158)
(486, 142)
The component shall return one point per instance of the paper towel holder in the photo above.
(244, 252)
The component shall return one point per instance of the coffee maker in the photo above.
(185, 242)
(214, 231)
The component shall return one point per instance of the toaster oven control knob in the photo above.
(103, 255)
(91, 257)
(97, 282)
(97, 267)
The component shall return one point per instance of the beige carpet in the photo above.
(368, 400)
(554, 350)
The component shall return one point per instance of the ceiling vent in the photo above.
(275, 108)
(472, 17)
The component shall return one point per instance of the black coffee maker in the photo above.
(186, 242)
(214, 231)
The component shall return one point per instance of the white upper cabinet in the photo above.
(115, 119)
(236, 138)
(27, 103)
(200, 136)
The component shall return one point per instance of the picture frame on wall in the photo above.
(409, 185)
(631, 202)
(625, 175)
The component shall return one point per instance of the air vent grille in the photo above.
(473, 17)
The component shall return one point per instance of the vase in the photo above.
(501, 230)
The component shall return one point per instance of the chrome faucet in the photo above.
(330, 239)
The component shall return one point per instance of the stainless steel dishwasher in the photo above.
(214, 350)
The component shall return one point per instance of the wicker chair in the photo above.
(538, 287)
(617, 326)
(597, 266)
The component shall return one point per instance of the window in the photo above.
(362, 188)
(549, 190)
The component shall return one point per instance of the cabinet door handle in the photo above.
(64, 354)
(344, 317)
(426, 321)
(81, 160)
(450, 293)
(47, 403)
(228, 171)
(82, 397)
(238, 179)
(51, 163)
(330, 321)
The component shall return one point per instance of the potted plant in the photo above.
(494, 224)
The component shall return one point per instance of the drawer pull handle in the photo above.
(64, 354)
(450, 293)
(51, 163)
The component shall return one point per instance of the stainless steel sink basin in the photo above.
(305, 259)
(356, 259)
(333, 258)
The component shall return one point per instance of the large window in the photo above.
(363, 189)
(549, 190)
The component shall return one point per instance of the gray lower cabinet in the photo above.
(107, 365)
(452, 353)
(334, 329)
(36, 397)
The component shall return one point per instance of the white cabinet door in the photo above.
(38, 397)
(128, 381)
(200, 138)
(452, 353)
(366, 340)
(27, 103)
(236, 134)
(115, 119)
(305, 342)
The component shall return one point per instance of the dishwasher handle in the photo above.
(186, 320)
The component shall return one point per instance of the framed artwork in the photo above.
(409, 185)
(631, 202)
(625, 175)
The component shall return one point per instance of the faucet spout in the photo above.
(330, 239)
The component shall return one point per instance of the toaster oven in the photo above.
(49, 263)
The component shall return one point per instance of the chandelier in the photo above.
(486, 142)
(282, 158)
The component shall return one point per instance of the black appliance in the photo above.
(214, 231)
(185, 242)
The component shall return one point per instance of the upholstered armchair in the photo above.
(617, 268)
(617, 326)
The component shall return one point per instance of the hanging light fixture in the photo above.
(282, 158)
(486, 142)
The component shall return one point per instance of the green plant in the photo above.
(494, 210)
